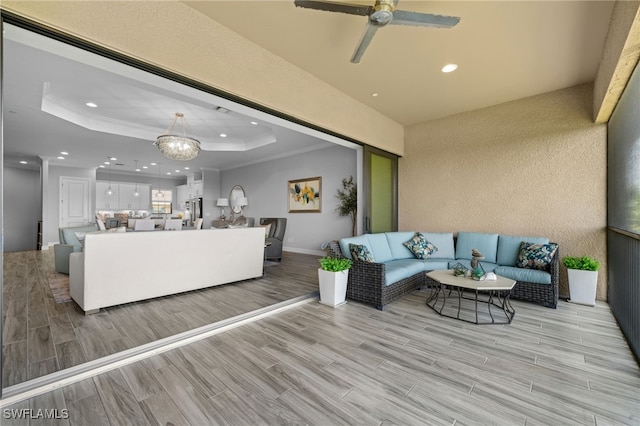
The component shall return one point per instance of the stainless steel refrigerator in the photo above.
(195, 210)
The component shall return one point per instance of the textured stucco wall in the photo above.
(535, 166)
(178, 38)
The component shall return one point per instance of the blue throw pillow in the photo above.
(420, 246)
(360, 252)
(535, 256)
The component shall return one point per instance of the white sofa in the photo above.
(117, 268)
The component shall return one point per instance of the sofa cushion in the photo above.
(526, 275)
(420, 246)
(444, 242)
(69, 234)
(379, 247)
(535, 256)
(487, 244)
(487, 266)
(344, 244)
(396, 270)
(360, 252)
(509, 248)
(433, 264)
(396, 244)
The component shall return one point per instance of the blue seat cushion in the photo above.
(344, 244)
(487, 244)
(521, 274)
(379, 247)
(487, 266)
(509, 247)
(433, 264)
(396, 244)
(444, 242)
(396, 270)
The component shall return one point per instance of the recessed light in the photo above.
(223, 135)
(101, 166)
(137, 170)
(374, 94)
(112, 158)
(177, 171)
(449, 68)
(23, 162)
(255, 123)
(154, 164)
(60, 158)
(168, 173)
(106, 162)
(145, 167)
(91, 105)
(186, 168)
(64, 153)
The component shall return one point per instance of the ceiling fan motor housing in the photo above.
(383, 14)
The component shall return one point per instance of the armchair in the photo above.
(275, 237)
(69, 243)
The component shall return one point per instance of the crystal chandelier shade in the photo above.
(177, 147)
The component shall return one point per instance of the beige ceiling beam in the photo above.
(620, 57)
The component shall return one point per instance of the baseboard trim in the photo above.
(304, 251)
(31, 388)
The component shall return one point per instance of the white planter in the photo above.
(582, 286)
(333, 287)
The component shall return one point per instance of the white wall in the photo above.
(266, 186)
(22, 211)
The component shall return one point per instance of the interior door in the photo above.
(74, 201)
(381, 186)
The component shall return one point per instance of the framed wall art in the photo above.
(304, 195)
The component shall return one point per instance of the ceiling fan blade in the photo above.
(335, 7)
(369, 32)
(404, 17)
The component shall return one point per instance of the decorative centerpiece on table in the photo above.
(477, 271)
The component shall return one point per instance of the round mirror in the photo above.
(236, 198)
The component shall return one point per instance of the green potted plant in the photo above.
(348, 206)
(332, 277)
(583, 279)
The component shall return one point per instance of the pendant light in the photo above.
(109, 190)
(178, 146)
(159, 194)
(136, 193)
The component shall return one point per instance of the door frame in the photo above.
(367, 186)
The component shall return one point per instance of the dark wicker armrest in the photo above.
(554, 267)
(333, 250)
(366, 281)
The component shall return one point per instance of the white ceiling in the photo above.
(47, 85)
(505, 50)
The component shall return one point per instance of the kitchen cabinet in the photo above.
(105, 201)
(122, 197)
(193, 189)
(127, 200)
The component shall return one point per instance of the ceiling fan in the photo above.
(381, 14)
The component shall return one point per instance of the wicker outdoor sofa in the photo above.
(396, 271)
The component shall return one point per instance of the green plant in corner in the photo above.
(335, 264)
(348, 197)
(584, 263)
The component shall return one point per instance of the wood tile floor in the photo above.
(354, 365)
(41, 336)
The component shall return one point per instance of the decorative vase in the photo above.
(333, 287)
(582, 286)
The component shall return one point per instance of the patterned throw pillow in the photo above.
(535, 256)
(360, 252)
(420, 246)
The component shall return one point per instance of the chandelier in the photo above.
(178, 147)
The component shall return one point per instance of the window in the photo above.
(161, 201)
